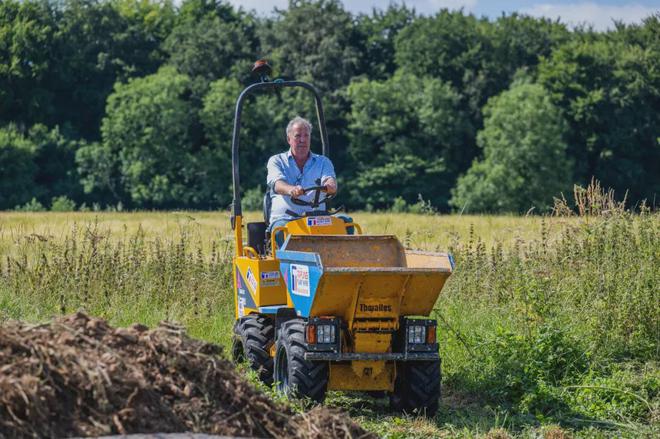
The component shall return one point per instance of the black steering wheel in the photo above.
(317, 201)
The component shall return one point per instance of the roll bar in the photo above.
(267, 86)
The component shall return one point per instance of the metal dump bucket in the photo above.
(360, 276)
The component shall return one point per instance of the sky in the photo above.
(598, 13)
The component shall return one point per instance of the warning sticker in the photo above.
(270, 278)
(251, 279)
(319, 221)
(300, 280)
(270, 275)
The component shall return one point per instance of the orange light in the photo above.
(311, 334)
(430, 335)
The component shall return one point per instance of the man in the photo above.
(298, 168)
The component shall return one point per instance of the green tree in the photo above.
(212, 41)
(525, 162)
(147, 149)
(54, 158)
(27, 39)
(406, 124)
(17, 168)
(316, 41)
(520, 42)
(99, 43)
(453, 47)
(609, 91)
(378, 33)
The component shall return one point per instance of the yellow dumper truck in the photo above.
(328, 310)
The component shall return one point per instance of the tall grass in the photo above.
(566, 329)
(124, 277)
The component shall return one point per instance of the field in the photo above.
(550, 326)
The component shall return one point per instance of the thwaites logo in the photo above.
(319, 221)
(381, 307)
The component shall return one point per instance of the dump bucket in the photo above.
(367, 278)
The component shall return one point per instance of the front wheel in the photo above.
(417, 387)
(294, 376)
(253, 338)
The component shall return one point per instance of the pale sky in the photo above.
(599, 13)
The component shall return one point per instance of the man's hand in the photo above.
(331, 186)
(296, 191)
(283, 188)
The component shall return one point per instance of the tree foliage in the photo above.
(409, 132)
(17, 168)
(610, 92)
(132, 101)
(525, 162)
(147, 148)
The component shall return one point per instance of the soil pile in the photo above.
(78, 376)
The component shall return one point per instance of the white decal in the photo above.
(251, 279)
(300, 280)
(241, 306)
(319, 221)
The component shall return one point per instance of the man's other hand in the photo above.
(331, 187)
(296, 191)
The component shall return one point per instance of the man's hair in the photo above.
(298, 121)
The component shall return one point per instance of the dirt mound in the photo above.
(78, 376)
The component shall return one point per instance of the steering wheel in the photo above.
(317, 202)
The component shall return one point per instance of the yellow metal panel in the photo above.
(343, 377)
(372, 342)
(419, 259)
(422, 292)
(361, 293)
(265, 292)
(238, 234)
(320, 225)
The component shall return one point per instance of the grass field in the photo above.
(550, 326)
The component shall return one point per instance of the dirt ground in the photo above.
(78, 376)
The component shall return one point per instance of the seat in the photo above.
(257, 236)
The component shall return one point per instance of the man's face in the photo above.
(299, 140)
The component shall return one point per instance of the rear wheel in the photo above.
(417, 387)
(295, 376)
(253, 338)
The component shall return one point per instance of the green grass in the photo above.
(548, 326)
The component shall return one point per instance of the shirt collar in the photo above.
(311, 154)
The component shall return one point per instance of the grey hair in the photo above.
(298, 121)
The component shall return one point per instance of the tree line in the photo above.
(131, 102)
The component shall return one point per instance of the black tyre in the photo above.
(253, 337)
(295, 376)
(417, 387)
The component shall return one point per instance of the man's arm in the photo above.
(276, 179)
(283, 188)
(328, 178)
